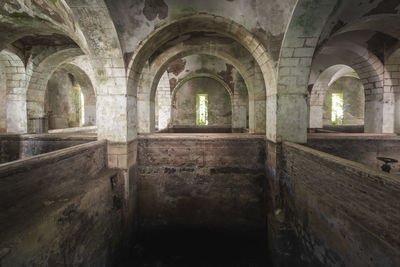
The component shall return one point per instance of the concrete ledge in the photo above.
(200, 136)
(48, 137)
(15, 147)
(345, 128)
(353, 136)
(75, 130)
(42, 160)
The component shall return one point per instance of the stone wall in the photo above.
(14, 147)
(361, 149)
(13, 96)
(192, 181)
(341, 213)
(65, 210)
(219, 103)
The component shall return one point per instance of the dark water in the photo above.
(199, 248)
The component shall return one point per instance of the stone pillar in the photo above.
(397, 112)
(164, 102)
(16, 114)
(388, 109)
(294, 70)
(239, 106)
(116, 114)
(260, 109)
(316, 104)
(252, 119)
(90, 115)
(373, 118)
(287, 114)
(239, 113)
(143, 115)
(39, 125)
(392, 85)
(291, 97)
(3, 101)
(291, 109)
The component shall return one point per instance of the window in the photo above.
(202, 109)
(337, 109)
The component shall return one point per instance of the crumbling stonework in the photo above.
(267, 66)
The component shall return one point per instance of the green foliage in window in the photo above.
(202, 109)
(337, 109)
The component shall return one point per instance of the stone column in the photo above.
(16, 114)
(164, 102)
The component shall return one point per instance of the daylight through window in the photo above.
(337, 109)
(202, 109)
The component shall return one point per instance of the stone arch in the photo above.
(202, 23)
(236, 55)
(370, 70)
(88, 91)
(44, 66)
(243, 64)
(83, 62)
(193, 76)
(317, 95)
(202, 75)
(15, 84)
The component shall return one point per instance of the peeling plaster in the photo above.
(155, 8)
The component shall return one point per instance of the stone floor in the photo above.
(199, 248)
